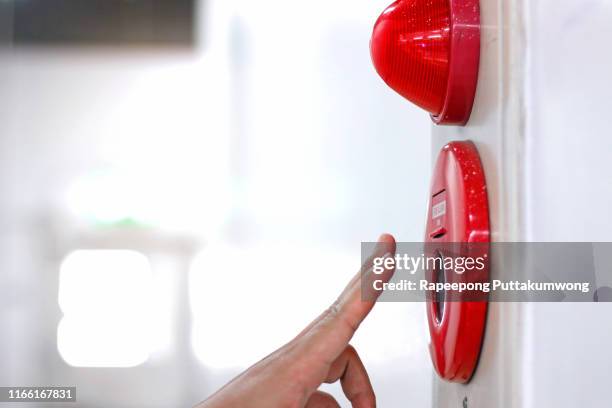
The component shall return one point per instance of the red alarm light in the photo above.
(428, 51)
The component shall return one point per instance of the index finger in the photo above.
(328, 335)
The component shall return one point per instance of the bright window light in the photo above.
(174, 122)
(105, 296)
(248, 301)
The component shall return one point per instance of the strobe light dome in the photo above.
(428, 51)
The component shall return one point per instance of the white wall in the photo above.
(541, 125)
(495, 127)
(568, 172)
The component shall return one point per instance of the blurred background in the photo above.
(185, 185)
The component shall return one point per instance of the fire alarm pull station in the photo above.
(428, 51)
(457, 226)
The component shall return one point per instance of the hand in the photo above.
(290, 377)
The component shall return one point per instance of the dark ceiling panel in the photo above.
(110, 22)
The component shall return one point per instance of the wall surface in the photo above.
(569, 170)
(495, 127)
(541, 125)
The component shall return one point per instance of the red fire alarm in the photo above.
(428, 51)
(458, 226)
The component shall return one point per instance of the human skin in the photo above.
(290, 376)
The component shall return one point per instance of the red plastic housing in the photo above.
(458, 213)
(428, 51)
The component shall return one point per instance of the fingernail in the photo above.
(380, 242)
